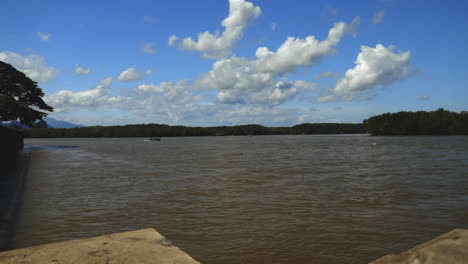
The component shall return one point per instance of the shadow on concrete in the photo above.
(11, 190)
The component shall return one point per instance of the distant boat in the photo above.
(155, 139)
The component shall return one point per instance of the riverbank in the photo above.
(141, 246)
(11, 189)
(451, 247)
(149, 246)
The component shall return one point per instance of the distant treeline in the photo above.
(152, 130)
(440, 122)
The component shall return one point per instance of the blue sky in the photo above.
(271, 62)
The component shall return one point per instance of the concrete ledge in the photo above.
(148, 246)
(141, 246)
(450, 248)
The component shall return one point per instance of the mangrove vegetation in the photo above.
(151, 130)
(440, 122)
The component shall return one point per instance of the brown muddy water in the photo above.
(259, 199)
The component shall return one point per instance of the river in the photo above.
(250, 199)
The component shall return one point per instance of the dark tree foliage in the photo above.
(440, 122)
(41, 124)
(329, 128)
(152, 130)
(20, 98)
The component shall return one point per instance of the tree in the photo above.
(20, 98)
(41, 124)
(440, 122)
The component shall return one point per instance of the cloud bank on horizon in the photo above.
(247, 80)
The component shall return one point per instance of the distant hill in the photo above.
(51, 123)
(54, 123)
(13, 123)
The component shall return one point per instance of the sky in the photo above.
(230, 62)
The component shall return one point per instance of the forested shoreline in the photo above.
(439, 122)
(161, 130)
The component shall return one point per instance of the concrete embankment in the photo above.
(148, 246)
(13, 167)
(449, 248)
(142, 246)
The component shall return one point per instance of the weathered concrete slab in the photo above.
(148, 246)
(450, 248)
(142, 246)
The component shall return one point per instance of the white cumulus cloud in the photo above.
(81, 71)
(172, 40)
(260, 81)
(218, 45)
(130, 74)
(174, 101)
(278, 94)
(374, 67)
(34, 66)
(148, 48)
(65, 100)
(305, 85)
(44, 36)
(296, 52)
(178, 102)
(180, 91)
